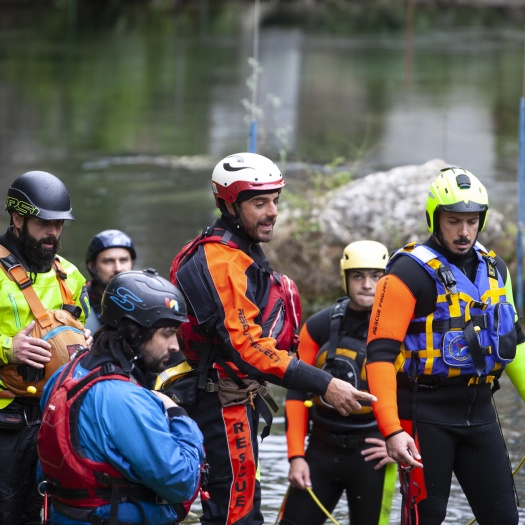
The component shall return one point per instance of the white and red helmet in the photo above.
(244, 172)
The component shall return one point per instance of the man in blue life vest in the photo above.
(38, 203)
(227, 285)
(109, 253)
(344, 454)
(443, 330)
(111, 450)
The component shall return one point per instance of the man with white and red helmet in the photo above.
(226, 283)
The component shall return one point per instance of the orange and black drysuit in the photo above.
(334, 339)
(226, 290)
(442, 330)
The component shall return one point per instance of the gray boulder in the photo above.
(387, 206)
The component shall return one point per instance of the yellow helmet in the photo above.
(457, 190)
(363, 254)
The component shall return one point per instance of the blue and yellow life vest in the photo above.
(471, 332)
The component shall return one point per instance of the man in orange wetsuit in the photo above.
(226, 285)
(344, 454)
(443, 328)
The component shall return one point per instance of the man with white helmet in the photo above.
(344, 454)
(443, 330)
(227, 283)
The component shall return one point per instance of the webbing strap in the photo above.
(454, 323)
(67, 296)
(336, 318)
(16, 272)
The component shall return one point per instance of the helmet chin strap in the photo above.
(126, 363)
(123, 361)
(233, 218)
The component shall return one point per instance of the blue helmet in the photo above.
(109, 239)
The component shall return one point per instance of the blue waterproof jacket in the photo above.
(127, 426)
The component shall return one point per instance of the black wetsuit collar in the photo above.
(467, 262)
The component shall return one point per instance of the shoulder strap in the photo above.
(211, 234)
(16, 272)
(67, 296)
(337, 314)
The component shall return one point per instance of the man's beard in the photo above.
(39, 258)
(252, 231)
(447, 246)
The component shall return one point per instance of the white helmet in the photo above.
(244, 172)
(363, 254)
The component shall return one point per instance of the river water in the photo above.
(133, 107)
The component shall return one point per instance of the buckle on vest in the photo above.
(207, 231)
(73, 309)
(211, 386)
(23, 283)
(107, 368)
(445, 275)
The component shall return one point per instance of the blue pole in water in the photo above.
(252, 139)
(521, 206)
(252, 142)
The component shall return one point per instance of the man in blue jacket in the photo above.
(111, 450)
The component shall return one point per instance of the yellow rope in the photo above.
(314, 497)
(520, 464)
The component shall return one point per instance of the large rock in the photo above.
(388, 207)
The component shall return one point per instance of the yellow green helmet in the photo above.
(363, 254)
(456, 190)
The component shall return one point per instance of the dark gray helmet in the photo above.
(109, 239)
(144, 297)
(39, 194)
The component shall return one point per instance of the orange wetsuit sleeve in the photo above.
(308, 348)
(296, 427)
(391, 314)
(296, 412)
(382, 383)
(392, 311)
